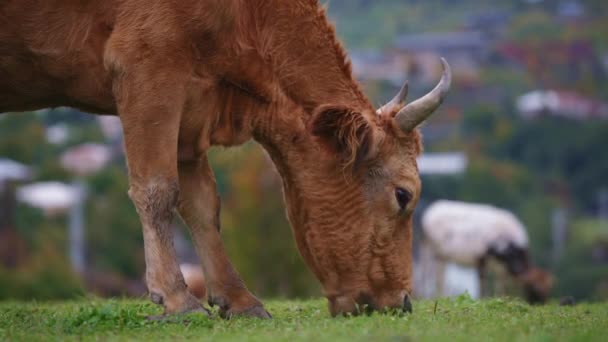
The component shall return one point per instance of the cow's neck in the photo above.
(307, 68)
(301, 55)
(294, 50)
(295, 64)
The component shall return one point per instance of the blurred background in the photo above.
(525, 128)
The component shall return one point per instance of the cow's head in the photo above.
(351, 184)
(537, 285)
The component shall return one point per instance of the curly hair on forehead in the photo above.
(412, 138)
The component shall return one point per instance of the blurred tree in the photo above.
(254, 224)
(114, 238)
(580, 273)
(22, 138)
(535, 26)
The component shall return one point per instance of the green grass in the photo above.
(460, 319)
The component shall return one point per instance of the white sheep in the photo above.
(470, 234)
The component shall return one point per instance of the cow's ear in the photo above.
(344, 132)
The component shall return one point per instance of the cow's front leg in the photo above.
(150, 112)
(199, 206)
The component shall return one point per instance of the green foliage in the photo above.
(535, 26)
(459, 319)
(22, 138)
(570, 152)
(588, 281)
(113, 230)
(254, 225)
(374, 24)
(46, 275)
(590, 231)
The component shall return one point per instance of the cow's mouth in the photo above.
(365, 304)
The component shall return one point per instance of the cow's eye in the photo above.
(403, 197)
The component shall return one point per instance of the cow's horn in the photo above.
(416, 112)
(396, 103)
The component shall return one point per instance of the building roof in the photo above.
(442, 40)
(453, 163)
(86, 158)
(12, 170)
(560, 103)
(52, 196)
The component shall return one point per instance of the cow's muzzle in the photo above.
(347, 306)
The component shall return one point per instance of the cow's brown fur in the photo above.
(186, 75)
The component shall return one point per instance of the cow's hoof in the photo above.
(178, 316)
(256, 311)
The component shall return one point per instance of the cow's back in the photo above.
(51, 54)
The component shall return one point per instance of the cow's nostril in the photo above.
(407, 304)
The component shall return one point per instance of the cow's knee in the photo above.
(155, 201)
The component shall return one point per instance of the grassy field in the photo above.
(459, 319)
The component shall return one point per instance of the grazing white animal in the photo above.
(464, 232)
(470, 234)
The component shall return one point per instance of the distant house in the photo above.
(51, 197)
(566, 52)
(376, 65)
(556, 62)
(471, 43)
(560, 103)
(453, 163)
(11, 170)
(57, 134)
(465, 51)
(570, 10)
(111, 128)
(86, 158)
(492, 23)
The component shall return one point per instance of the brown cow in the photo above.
(186, 75)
